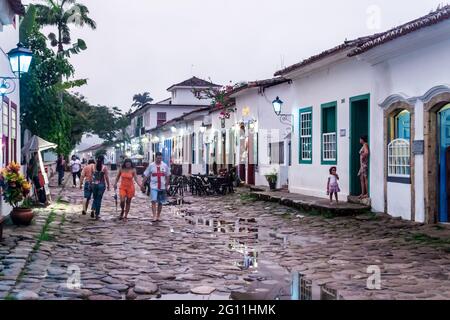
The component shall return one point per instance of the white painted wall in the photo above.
(408, 68)
(171, 112)
(399, 200)
(336, 83)
(186, 96)
(9, 37)
(268, 126)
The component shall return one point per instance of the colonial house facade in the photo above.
(392, 87)
(183, 100)
(264, 144)
(10, 102)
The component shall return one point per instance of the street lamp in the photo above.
(20, 59)
(284, 118)
(277, 104)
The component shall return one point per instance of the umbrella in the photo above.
(36, 144)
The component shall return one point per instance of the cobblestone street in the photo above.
(198, 252)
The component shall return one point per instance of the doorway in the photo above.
(444, 163)
(359, 126)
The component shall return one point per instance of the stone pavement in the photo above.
(308, 203)
(214, 247)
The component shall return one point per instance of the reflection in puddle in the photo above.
(268, 280)
(278, 289)
(303, 289)
(250, 255)
(220, 225)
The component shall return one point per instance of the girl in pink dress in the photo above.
(333, 185)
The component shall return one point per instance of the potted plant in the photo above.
(272, 179)
(15, 189)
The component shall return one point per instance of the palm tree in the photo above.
(63, 14)
(141, 99)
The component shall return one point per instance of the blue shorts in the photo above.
(87, 190)
(158, 196)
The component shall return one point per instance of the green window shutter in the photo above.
(329, 134)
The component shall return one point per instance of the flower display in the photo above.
(224, 115)
(14, 185)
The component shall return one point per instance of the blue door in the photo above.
(444, 165)
(403, 125)
(167, 152)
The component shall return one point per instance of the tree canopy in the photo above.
(48, 109)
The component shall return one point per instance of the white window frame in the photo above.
(329, 146)
(306, 135)
(399, 159)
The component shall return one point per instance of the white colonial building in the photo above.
(183, 100)
(264, 139)
(392, 87)
(10, 102)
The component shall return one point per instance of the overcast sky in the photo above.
(148, 45)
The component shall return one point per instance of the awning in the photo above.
(36, 144)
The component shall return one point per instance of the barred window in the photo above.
(399, 150)
(329, 146)
(306, 136)
(399, 158)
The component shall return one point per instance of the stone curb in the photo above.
(309, 206)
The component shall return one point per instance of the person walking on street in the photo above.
(75, 166)
(159, 174)
(86, 177)
(127, 176)
(100, 182)
(60, 168)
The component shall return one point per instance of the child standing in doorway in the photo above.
(333, 185)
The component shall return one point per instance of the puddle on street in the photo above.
(267, 279)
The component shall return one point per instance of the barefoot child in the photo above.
(332, 185)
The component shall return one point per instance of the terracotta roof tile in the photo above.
(430, 19)
(364, 44)
(17, 7)
(195, 82)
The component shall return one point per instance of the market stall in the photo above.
(37, 144)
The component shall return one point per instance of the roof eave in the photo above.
(326, 61)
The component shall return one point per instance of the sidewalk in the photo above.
(19, 245)
(307, 203)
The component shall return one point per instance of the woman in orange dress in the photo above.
(127, 176)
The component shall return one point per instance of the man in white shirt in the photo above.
(75, 165)
(159, 174)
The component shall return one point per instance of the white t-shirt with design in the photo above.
(157, 174)
(76, 165)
